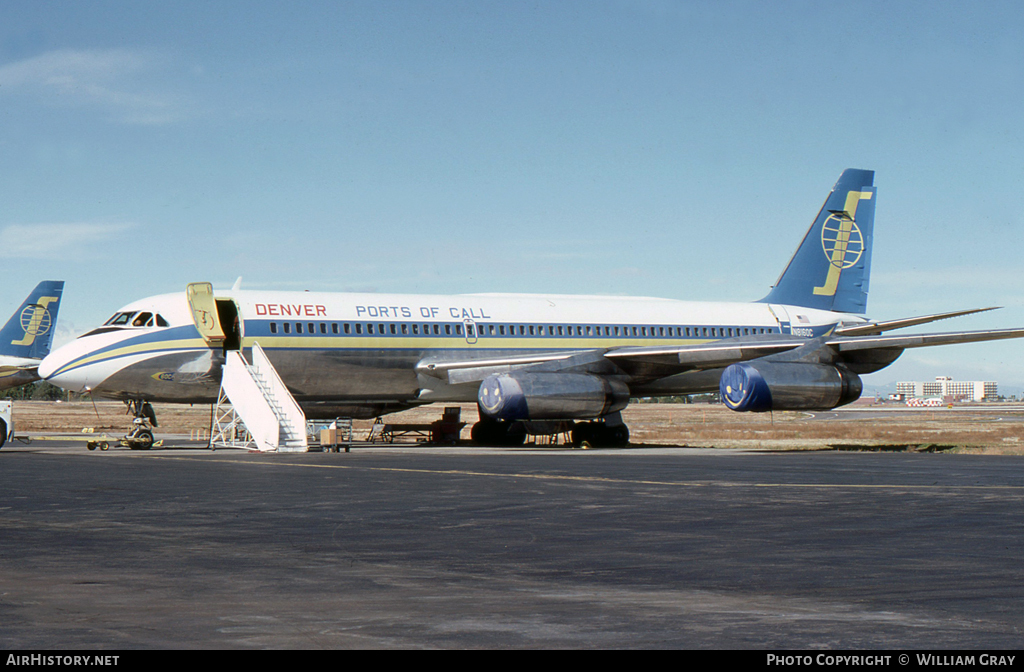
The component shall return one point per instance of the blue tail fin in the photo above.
(29, 332)
(831, 267)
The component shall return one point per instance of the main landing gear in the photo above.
(140, 436)
(606, 432)
(498, 433)
(600, 434)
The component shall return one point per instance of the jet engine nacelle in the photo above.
(787, 386)
(550, 396)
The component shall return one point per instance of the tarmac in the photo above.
(414, 547)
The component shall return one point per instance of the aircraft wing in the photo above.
(472, 370)
(638, 361)
(9, 365)
(17, 371)
(655, 361)
(648, 362)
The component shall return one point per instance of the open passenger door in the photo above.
(217, 320)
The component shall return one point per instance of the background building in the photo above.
(946, 387)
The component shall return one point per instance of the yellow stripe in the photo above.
(181, 344)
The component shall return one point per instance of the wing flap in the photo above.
(472, 370)
(705, 356)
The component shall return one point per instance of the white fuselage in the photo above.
(363, 349)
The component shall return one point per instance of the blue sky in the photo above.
(675, 149)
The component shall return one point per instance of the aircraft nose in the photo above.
(50, 371)
(48, 366)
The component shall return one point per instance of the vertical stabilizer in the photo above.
(29, 332)
(831, 267)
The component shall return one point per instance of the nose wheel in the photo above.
(140, 436)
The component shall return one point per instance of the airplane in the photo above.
(25, 340)
(527, 360)
(27, 336)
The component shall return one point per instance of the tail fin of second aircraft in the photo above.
(29, 332)
(831, 267)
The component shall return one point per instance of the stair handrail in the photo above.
(293, 412)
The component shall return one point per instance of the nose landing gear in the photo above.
(140, 436)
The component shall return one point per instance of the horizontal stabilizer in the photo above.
(847, 344)
(875, 328)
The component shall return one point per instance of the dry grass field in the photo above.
(986, 428)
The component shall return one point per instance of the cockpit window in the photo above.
(119, 319)
(161, 322)
(143, 320)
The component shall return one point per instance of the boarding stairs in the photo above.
(254, 408)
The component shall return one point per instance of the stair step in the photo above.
(262, 402)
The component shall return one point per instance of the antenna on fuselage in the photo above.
(238, 284)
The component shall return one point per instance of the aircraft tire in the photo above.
(582, 432)
(480, 433)
(505, 434)
(143, 440)
(618, 436)
(515, 435)
(600, 435)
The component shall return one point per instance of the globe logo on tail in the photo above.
(35, 320)
(842, 241)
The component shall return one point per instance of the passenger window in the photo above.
(312, 328)
(381, 332)
(531, 330)
(437, 330)
(405, 328)
(369, 327)
(447, 330)
(287, 327)
(393, 330)
(334, 327)
(323, 327)
(273, 327)
(298, 327)
(359, 327)
(458, 329)
(415, 330)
